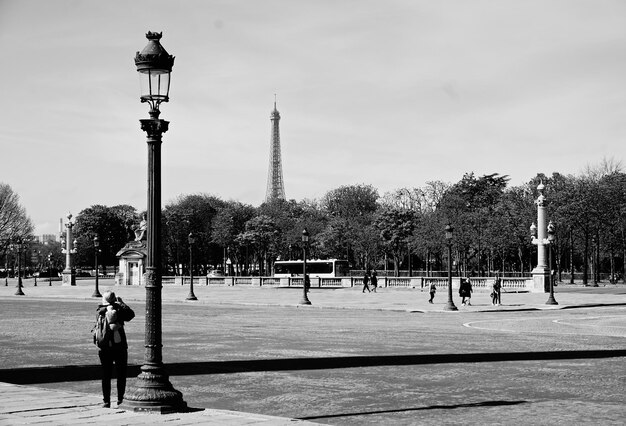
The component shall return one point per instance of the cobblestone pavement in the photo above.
(351, 358)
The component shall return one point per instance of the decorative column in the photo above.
(69, 273)
(541, 273)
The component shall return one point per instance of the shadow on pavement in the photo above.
(403, 410)
(77, 373)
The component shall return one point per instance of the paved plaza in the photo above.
(243, 355)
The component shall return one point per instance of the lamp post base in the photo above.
(19, 291)
(552, 300)
(191, 296)
(153, 394)
(96, 293)
(450, 306)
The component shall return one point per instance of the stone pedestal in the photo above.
(69, 277)
(541, 280)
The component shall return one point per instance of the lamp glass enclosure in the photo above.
(155, 85)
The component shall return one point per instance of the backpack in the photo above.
(101, 332)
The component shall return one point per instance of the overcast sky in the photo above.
(388, 93)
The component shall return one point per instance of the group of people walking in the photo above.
(466, 290)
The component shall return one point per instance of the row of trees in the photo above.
(403, 228)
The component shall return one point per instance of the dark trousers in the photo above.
(119, 356)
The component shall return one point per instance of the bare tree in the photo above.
(14, 222)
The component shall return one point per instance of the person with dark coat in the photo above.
(374, 281)
(366, 280)
(433, 290)
(116, 349)
(496, 289)
(465, 291)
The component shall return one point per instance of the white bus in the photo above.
(328, 268)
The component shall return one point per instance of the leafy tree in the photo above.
(395, 226)
(262, 234)
(110, 225)
(228, 223)
(354, 205)
(191, 213)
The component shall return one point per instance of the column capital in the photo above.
(154, 128)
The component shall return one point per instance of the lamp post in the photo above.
(541, 273)
(18, 247)
(50, 269)
(96, 247)
(551, 299)
(305, 241)
(449, 234)
(192, 239)
(69, 273)
(152, 390)
(38, 254)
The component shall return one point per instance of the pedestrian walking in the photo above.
(114, 349)
(496, 288)
(465, 291)
(366, 280)
(433, 290)
(374, 281)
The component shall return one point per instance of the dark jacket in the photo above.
(124, 313)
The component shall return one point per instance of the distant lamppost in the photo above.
(305, 241)
(192, 239)
(50, 269)
(69, 273)
(17, 246)
(551, 299)
(96, 247)
(541, 273)
(449, 234)
(37, 254)
(153, 391)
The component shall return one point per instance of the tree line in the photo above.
(402, 230)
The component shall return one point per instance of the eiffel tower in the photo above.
(275, 183)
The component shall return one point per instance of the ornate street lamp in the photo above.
(17, 246)
(541, 273)
(551, 299)
(192, 240)
(69, 273)
(305, 242)
(153, 391)
(449, 234)
(96, 247)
